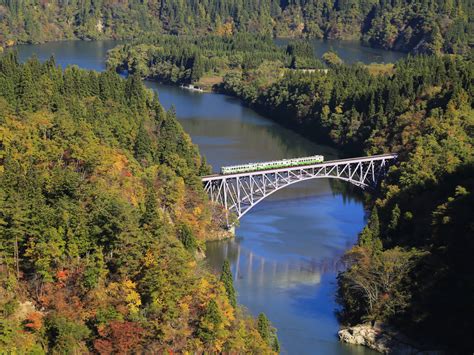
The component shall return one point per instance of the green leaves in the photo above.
(267, 332)
(65, 335)
(210, 323)
(228, 281)
(101, 210)
(185, 234)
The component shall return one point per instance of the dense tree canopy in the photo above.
(101, 211)
(420, 107)
(188, 59)
(412, 264)
(419, 26)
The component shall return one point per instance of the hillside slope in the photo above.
(416, 26)
(101, 212)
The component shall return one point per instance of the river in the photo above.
(285, 256)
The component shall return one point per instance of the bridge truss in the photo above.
(240, 192)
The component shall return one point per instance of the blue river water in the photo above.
(286, 254)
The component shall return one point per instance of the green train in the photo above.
(245, 168)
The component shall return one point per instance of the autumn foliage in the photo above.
(101, 212)
(34, 321)
(119, 338)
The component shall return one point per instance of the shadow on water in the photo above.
(228, 133)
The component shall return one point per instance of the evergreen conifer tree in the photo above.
(263, 327)
(276, 344)
(227, 280)
(142, 147)
(187, 238)
(210, 323)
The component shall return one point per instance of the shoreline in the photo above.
(13, 43)
(381, 338)
(222, 234)
(384, 339)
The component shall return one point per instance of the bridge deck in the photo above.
(297, 167)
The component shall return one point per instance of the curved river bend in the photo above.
(285, 256)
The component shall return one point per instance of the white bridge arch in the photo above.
(239, 193)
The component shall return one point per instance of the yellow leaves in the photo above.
(6, 137)
(116, 172)
(125, 291)
(41, 119)
(128, 284)
(197, 211)
(134, 301)
(381, 69)
(204, 285)
(119, 163)
(27, 139)
(226, 29)
(229, 313)
(326, 111)
(218, 345)
(149, 259)
(461, 191)
(432, 90)
(184, 306)
(132, 297)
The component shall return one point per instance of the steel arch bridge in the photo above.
(240, 192)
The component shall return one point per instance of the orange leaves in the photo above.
(119, 338)
(116, 172)
(34, 321)
(120, 162)
(64, 296)
(62, 275)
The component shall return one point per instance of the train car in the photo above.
(244, 168)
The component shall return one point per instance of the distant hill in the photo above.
(415, 26)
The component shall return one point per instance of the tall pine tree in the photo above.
(227, 280)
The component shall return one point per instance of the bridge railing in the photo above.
(240, 192)
(380, 157)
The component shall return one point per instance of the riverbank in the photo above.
(228, 133)
(303, 131)
(441, 28)
(285, 253)
(222, 234)
(383, 339)
(360, 113)
(290, 245)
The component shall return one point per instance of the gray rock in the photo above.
(381, 338)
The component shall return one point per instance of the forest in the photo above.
(102, 213)
(102, 220)
(206, 60)
(416, 26)
(412, 265)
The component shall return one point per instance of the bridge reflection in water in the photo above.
(257, 271)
